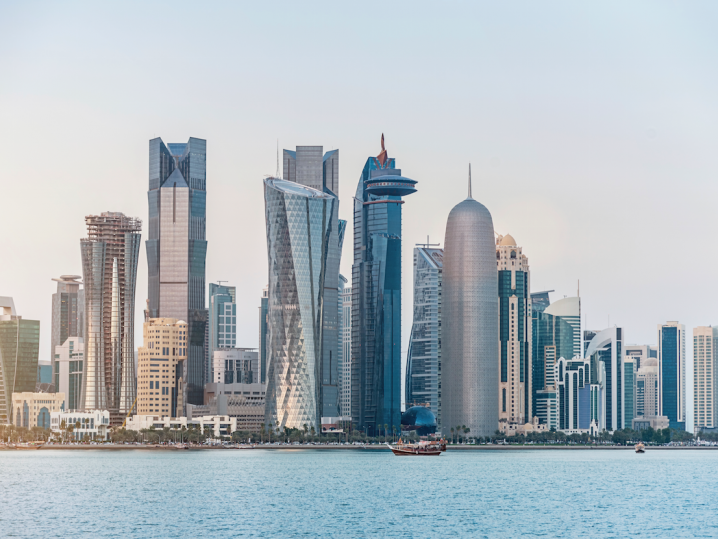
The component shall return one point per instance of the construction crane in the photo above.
(129, 413)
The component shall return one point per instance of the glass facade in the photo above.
(19, 351)
(671, 373)
(574, 394)
(376, 295)
(68, 314)
(310, 167)
(222, 321)
(605, 352)
(556, 333)
(629, 392)
(109, 265)
(423, 364)
(299, 223)
(177, 248)
(470, 323)
(263, 312)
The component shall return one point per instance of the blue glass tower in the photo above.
(672, 374)
(177, 247)
(376, 295)
(222, 321)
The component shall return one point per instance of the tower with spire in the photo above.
(470, 307)
(376, 295)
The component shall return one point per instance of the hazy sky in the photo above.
(591, 131)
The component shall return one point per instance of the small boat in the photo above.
(640, 448)
(421, 448)
(29, 445)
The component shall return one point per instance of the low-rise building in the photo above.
(235, 366)
(34, 409)
(218, 425)
(93, 425)
(655, 422)
(244, 402)
(513, 429)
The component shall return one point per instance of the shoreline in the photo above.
(121, 447)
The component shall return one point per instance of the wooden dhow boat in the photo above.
(640, 448)
(420, 448)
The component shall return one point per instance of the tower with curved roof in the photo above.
(470, 373)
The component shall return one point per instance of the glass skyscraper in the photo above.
(177, 247)
(605, 352)
(310, 167)
(423, 363)
(672, 373)
(109, 267)
(556, 333)
(345, 376)
(222, 321)
(19, 351)
(299, 223)
(263, 332)
(376, 295)
(470, 320)
(68, 314)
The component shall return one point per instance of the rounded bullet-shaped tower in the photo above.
(470, 320)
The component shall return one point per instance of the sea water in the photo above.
(362, 493)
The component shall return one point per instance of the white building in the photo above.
(605, 347)
(94, 424)
(235, 366)
(640, 352)
(218, 425)
(69, 362)
(705, 386)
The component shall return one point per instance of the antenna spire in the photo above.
(470, 181)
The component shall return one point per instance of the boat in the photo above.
(420, 448)
(640, 448)
(29, 445)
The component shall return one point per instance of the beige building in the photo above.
(159, 367)
(34, 409)
(514, 335)
(647, 388)
(705, 387)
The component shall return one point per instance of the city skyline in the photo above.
(569, 143)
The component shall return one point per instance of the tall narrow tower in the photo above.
(470, 370)
(514, 333)
(177, 247)
(68, 314)
(109, 267)
(376, 295)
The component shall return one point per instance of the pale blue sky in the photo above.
(591, 131)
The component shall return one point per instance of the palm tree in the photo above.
(452, 435)
(312, 430)
(306, 429)
(386, 428)
(270, 432)
(261, 433)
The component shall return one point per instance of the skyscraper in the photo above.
(222, 321)
(573, 385)
(647, 388)
(309, 166)
(68, 313)
(159, 377)
(705, 385)
(299, 223)
(109, 267)
(177, 247)
(672, 373)
(376, 295)
(345, 379)
(629, 390)
(606, 348)
(641, 352)
(263, 333)
(515, 395)
(556, 333)
(470, 317)
(19, 351)
(423, 364)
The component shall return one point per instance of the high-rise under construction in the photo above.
(109, 266)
